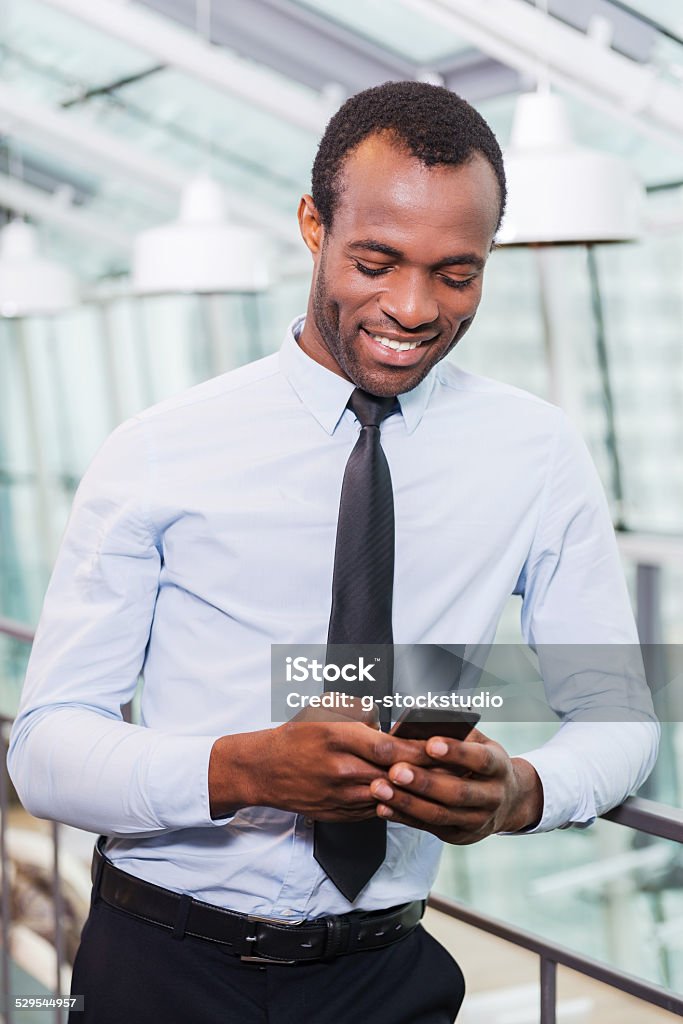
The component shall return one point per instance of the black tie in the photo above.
(362, 592)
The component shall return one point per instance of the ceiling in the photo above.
(107, 109)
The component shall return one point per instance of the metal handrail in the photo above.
(648, 816)
(17, 630)
(552, 954)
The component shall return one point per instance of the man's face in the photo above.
(401, 266)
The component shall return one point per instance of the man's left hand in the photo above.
(492, 793)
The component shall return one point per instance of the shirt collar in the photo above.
(325, 394)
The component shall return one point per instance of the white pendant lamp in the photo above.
(202, 251)
(30, 284)
(562, 193)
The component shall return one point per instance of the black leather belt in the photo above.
(251, 938)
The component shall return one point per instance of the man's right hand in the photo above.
(319, 764)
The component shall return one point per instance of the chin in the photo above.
(384, 384)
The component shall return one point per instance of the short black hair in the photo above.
(433, 123)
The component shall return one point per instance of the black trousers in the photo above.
(134, 972)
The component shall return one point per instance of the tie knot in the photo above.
(369, 409)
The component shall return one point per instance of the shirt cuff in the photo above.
(566, 801)
(178, 782)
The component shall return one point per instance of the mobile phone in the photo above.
(421, 723)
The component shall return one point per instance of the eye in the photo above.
(452, 283)
(370, 271)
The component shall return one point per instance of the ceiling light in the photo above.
(560, 192)
(30, 284)
(201, 251)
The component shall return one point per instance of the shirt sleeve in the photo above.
(575, 609)
(71, 756)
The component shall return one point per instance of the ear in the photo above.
(310, 225)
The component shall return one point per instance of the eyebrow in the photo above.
(458, 260)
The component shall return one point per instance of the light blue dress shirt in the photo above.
(204, 531)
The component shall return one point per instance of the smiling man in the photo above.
(354, 487)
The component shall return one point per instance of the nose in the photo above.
(409, 299)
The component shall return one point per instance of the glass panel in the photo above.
(402, 29)
(643, 309)
(113, 198)
(652, 158)
(667, 56)
(672, 613)
(37, 40)
(57, 59)
(252, 150)
(667, 13)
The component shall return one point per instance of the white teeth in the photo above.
(398, 346)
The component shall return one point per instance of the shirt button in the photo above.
(286, 913)
(308, 822)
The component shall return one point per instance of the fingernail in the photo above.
(402, 775)
(383, 791)
(385, 812)
(438, 748)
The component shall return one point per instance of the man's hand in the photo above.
(320, 764)
(495, 794)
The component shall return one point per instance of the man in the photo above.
(205, 531)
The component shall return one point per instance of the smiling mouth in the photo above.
(393, 343)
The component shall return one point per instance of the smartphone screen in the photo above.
(421, 723)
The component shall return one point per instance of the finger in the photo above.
(355, 800)
(441, 785)
(434, 787)
(425, 815)
(479, 755)
(386, 750)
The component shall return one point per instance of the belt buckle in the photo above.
(255, 959)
